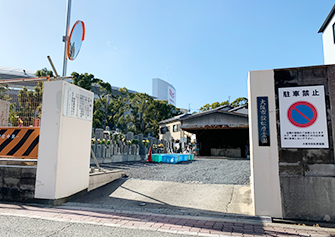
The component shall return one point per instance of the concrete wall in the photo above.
(65, 143)
(17, 184)
(306, 175)
(328, 43)
(265, 185)
(227, 152)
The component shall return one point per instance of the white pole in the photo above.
(65, 38)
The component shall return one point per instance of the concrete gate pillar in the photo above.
(265, 185)
(65, 141)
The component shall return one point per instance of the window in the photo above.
(164, 130)
(176, 128)
(334, 32)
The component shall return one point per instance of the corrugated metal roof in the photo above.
(221, 109)
(214, 126)
(12, 73)
(238, 108)
(173, 119)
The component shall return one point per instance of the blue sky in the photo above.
(204, 48)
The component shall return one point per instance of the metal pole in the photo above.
(52, 65)
(68, 14)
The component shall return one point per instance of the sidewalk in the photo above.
(187, 225)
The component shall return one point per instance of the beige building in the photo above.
(217, 131)
(169, 129)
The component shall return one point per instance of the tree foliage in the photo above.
(135, 112)
(4, 89)
(44, 72)
(213, 106)
(236, 103)
(30, 104)
(84, 80)
(239, 102)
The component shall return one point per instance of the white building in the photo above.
(328, 37)
(162, 90)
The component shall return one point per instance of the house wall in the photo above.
(328, 43)
(171, 134)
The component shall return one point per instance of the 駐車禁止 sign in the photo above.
(302, 115)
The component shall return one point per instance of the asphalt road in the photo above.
(200, 170)
(210, 187)
(15, 226)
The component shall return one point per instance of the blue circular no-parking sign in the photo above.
(302, 114)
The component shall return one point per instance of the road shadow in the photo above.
(102, 197)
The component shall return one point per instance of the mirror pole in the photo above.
(65, 38)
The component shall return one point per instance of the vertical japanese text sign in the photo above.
(302, 114)
(263, 121)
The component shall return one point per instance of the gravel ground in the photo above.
(207, 171)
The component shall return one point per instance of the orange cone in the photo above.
(150, 155)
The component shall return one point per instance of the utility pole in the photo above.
(65, 38)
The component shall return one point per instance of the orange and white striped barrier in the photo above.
(18, 142)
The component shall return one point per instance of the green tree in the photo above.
(30, 104)
(84, 80)
(98, 114)
(236, 103)
(213, 106)
(4, 89)
(137, 112)
(239, 102)
(104, 92)
(44, 72)
(117, 111)
(158, 111)
(139, 109)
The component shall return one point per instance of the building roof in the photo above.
(222, 109)
(174, 119)
(13, 73)
(328, 19)
(236, 109)
(17, 73)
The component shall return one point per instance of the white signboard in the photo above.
(171, 95)
(302, 114)
(78, 103)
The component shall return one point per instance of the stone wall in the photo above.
(307, 176)
(227, 152)
(17, 184)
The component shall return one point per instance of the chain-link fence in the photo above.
(25, 99)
